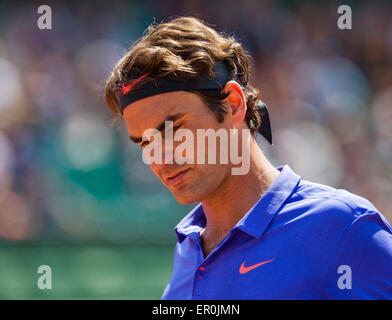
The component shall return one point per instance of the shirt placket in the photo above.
(202, 270)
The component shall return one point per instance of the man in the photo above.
(264, 233)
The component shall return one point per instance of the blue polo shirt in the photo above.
(301, 240)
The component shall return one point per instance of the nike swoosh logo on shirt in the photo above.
(244, 269)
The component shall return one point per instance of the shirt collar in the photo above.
(192, 223)
(257, 219)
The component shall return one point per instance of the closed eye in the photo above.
(143, 144)
(175, 128)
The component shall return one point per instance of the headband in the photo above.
(222, 75)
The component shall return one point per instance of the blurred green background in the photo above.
(74, 192)
(85, 271)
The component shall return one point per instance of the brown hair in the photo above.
(185, 48)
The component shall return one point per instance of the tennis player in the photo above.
(263, 234)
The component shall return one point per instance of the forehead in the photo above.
(151, 111)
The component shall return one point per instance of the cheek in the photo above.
(155, 169)
(209, 174)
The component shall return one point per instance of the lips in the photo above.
(177, 178)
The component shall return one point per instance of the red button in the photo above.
(201, 270)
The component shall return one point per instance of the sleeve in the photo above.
(361, 267)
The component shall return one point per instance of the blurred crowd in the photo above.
(68, 174)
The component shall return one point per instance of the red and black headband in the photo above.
(223, 74)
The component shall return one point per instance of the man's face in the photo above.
(188, 182)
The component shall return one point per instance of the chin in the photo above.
(185, 200)
(186, 197)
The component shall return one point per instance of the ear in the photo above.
(235, 101)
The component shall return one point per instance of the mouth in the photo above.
(177, 178)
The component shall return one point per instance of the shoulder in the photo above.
(328, 211)
(334, 203)
(356, 235)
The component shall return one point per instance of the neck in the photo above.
(238, 194)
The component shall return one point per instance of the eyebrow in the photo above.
(161, 126)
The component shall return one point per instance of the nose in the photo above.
(166, 158)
